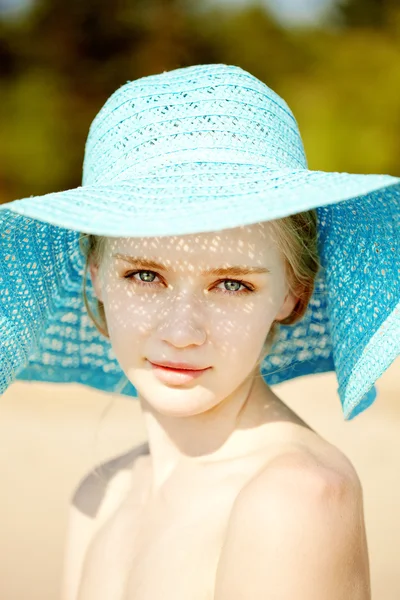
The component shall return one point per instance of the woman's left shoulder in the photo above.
(313, 471)
(301, 514)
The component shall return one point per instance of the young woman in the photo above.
(219, 265)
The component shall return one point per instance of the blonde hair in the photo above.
(296, 238)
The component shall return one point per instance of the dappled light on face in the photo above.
(202, 299)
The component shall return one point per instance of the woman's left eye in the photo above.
(232, 286)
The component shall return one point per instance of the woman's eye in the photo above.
(143, 276)
(232, 286)
(147, 276)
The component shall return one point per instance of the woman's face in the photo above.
(204, 299)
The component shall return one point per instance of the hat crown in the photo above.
(200, 114)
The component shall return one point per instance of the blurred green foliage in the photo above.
(61, 60)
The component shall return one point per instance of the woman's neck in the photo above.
(231, 430)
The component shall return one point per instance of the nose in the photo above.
(182, 323)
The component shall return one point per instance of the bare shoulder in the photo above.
(103, 487)
(96, 498)
(302, 514)
(301, 461)
(307, 469)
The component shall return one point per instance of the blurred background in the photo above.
(337, 64)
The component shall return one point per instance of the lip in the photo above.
(177, 375)
(179, 366)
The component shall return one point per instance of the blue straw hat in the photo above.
(194, 150)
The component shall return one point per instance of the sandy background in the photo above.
(51, 435)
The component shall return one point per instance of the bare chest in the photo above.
(177, 555)
(168, 549)
(168, 546)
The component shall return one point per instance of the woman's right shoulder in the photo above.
(95, 499)
(107, 484)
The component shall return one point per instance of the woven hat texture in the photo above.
(200, 149)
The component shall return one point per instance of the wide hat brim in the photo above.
(195, 199)
(352, 324)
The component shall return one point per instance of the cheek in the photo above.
(128, 316)
(240, 334)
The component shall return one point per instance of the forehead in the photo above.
(232, 246)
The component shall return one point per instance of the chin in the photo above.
(182, 401)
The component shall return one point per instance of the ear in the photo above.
(287, 306)
(94, 274)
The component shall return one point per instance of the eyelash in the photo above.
(247, 289)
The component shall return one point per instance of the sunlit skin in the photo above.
(238, 497)
(212, 320)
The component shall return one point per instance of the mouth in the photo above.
(176, 375)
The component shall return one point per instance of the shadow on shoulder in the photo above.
(107, 478)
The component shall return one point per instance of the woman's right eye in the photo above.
(145, 277)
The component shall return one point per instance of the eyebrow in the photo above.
(218, 272)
